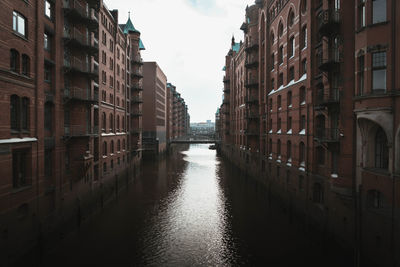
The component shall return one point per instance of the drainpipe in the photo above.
(37, 105)
(393, 48)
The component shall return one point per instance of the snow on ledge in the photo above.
(302, 132)
(292, 82)
(334, 175)
(18, 140)
(289, 132)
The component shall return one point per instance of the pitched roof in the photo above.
(129, 27)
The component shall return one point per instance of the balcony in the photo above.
(74, 38)
(328, 98)
(226, 79)
(79, 94)
(137, 60)
(226, 101)
(227, 90)
(329, 59)
(137, 73)
(251, 63)
(137, 87)
(71, 131)
(329, 22)
(252, 83)
(78, 12)
(252, 115)
(137, 99)
(74, 65)
(252, 99)
(327, 135)
(137, 113)
(253, 45)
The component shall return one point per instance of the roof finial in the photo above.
(233, 39)
(129, 14)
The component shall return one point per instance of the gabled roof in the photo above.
(141, 46)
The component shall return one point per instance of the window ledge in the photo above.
(20, 36)
(377, 24)
(377, 171)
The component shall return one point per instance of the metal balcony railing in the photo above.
(327, 135)
(136, 59)
(137, 99)
(329, 22)
(137, 73)
(79, 130)
(80, 94)
(250, 114)
(251, 83)
(137, 87)
(329, 58)
(251, 99)
(252, 45)
(251, 62)
(328, 97)
(226, 79)
(76, 64)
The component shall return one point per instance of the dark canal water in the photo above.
(192, 209)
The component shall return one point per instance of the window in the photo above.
(19, 164)
(19, 113)
(48, 116)
(361, 14)
(104, 77)
(302, 154)
(303, 7)
(304, 37)
(48, 163)
(104, 37)
(291, 74)
(272, 62)
(119, 145)
(19, 24)
(280, 29)
(111, 118)
(304, 67)
(280, 54)
(103, 57)
(118, 129)
(272, 38)
(301, 182)
(289, 151)
(379, 72)
(303, 122)
(279, 124)
(112, 164)
(289, 124)
(291, 18)
(48, 9)
(291, 47)
(104, 148)
(361, 67)
(381, 150)
(272, 84)
(14, 60)
(279, 102)
(378, 11)
(104, 167)
(103, 122)
(302, 96)
(47, 73)
(26, 64)
(47, 42)
(375, 199)
(278, 149)
(112, 147)
(280, 79)
(289, 99)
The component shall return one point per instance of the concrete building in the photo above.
(71, 133)
(320, 129)
(155, 111)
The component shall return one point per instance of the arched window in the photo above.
(14, 60)
(375, 199)
(123, 144)
(303, 7)
(303, 37)
(111, 118)
(280, 29)
(48, 116)
(112, 147)
(123, 123)
(291, 18)
(289, 99)
(317, 193)
(119, 145)
(26, 64)
(302, 95)
(103, 122)
(118, 129)
(381, 150)
(270, 146)
(104, 148)
(272, 38)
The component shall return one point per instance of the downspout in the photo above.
(393, 74)
(37, 104)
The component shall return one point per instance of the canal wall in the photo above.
(31, 234)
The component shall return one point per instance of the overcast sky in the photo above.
(189, 40)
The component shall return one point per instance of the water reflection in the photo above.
(192, 209)
(190, 227)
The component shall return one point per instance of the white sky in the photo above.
(189, 40)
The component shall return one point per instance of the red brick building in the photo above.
(71, 131)
(321, 128)
(155, 116)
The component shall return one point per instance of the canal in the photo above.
(193, 209)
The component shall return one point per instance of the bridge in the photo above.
(192, 141)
